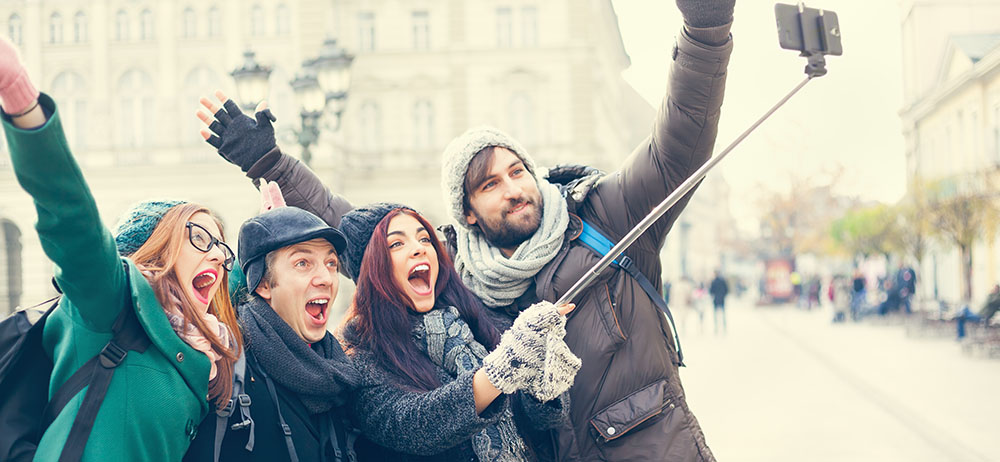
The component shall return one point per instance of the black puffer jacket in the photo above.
(627, 402)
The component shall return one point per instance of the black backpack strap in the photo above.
(600, 244)
(352, 437)
(95, 375)
(281, 419)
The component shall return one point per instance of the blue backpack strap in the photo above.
(600, 244)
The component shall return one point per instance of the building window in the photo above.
(12, 274)
(421, 30)
(423, 125)
(214, 22)
(257, 21)
(366, 31)
(80, 27)
(55, 28)
(282, 21)
(371, 130)
(521, 117)
(146, 25)
(14, 28)
(529, 26)
(136, 109)
(68, 88)
(189, 23)
(503, 27)
(121, 26)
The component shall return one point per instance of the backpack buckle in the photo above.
(286, 429)
(228, 410)
(625, 262)
(244, 400)
(112, 355)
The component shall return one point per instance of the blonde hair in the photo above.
(158, 255)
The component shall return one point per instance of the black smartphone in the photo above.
(809, 30)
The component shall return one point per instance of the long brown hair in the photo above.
(158, 255)
(381, 311)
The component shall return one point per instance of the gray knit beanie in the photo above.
(138, 223)
(456, 160)
(358, 225)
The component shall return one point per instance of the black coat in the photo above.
(311, 434)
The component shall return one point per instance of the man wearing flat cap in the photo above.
(297, 376)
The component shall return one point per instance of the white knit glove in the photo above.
(559, 367)
(532, 356)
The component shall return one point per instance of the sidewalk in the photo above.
(787, 385)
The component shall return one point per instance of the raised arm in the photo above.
(249, 143)
(684, 130)
(87, 266)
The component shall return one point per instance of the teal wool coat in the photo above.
(156, 399)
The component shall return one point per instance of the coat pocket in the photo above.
(630, 412)
(609, 316)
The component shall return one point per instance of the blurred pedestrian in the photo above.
(858, 295)
(984, 315)
(719, 289)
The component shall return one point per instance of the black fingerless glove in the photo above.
(706, 13)
(242, 141)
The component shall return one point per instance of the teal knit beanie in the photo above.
(137, 224)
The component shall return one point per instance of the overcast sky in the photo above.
(846, 119)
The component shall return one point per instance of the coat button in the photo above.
(180, 357)
(671, 405)
(611, 430)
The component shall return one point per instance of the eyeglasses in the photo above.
(203, 240)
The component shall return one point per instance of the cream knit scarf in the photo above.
(499, 280)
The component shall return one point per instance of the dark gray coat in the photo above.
(627, 402)
(437, 425)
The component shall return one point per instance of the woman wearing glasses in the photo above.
(164, 268)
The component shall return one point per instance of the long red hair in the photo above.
(158, 255)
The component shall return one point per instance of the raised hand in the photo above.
(241, 140)
(710, 13)
(17, 93)
(270, 196)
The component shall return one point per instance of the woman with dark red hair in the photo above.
(431, 389)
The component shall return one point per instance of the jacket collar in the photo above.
(193, 366)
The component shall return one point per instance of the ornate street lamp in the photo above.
(251, 81)
(320, 87)
(333, 71)
(311, 99)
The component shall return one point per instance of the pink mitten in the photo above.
(16, 91)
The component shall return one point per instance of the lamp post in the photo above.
(251, 81)
(320, 88)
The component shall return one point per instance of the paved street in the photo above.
(787, 385)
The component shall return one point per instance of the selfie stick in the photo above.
(816, 67)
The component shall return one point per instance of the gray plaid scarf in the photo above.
(450, 344)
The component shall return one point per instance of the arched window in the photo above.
(70, 90)
(257, 21)
(14, 28)
(80, 27)
(189, 23)
(121, 26)
(282, 20)
(214, 22)
(135, 112)
(146, 30)
(521, 119)
(371, 128)
(55, 28)
(423, 125)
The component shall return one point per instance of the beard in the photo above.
(507, 233)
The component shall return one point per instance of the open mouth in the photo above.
(420, 279)
(202, 284)
(316, 309)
